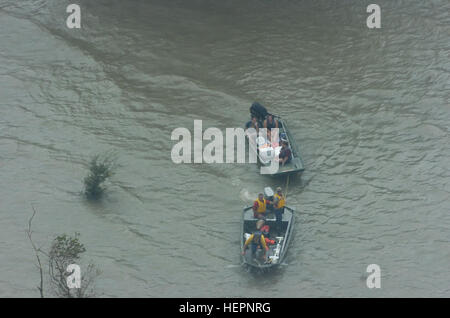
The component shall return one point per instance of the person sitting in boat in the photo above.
(270, 123)
(254, 123)
(265, 231)
(260, 206)
(285, 155)
(279, 202)
(256, 240)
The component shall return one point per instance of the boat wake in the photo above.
(234, 265)
(246, 196)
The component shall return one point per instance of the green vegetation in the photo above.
(65, 251)
(100, 169)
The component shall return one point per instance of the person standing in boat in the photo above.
(285, 155)
(260, 206)
(256, 239)
(279, 203)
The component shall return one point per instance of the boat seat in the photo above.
(285, 218)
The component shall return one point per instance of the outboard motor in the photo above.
(268, 193)
(258, 110)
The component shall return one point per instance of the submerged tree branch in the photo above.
(36, 252)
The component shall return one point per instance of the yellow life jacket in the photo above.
(257, 237)
(281, 201)
(261, 206)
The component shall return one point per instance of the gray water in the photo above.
(368, 108)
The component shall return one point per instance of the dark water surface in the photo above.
(369, 108)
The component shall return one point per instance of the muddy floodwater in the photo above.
(369, 109)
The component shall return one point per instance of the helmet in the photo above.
(265, 230)
(259, 224)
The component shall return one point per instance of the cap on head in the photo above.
(279, 189)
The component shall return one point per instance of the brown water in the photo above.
(369, 109)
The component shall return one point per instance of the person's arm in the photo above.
(265, 123)
(280, 158)
(276, 123)
(255, 208)
(281, 155)
(247, 242)
(275, 201)
(263, 243)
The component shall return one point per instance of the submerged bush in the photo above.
(100, 169)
